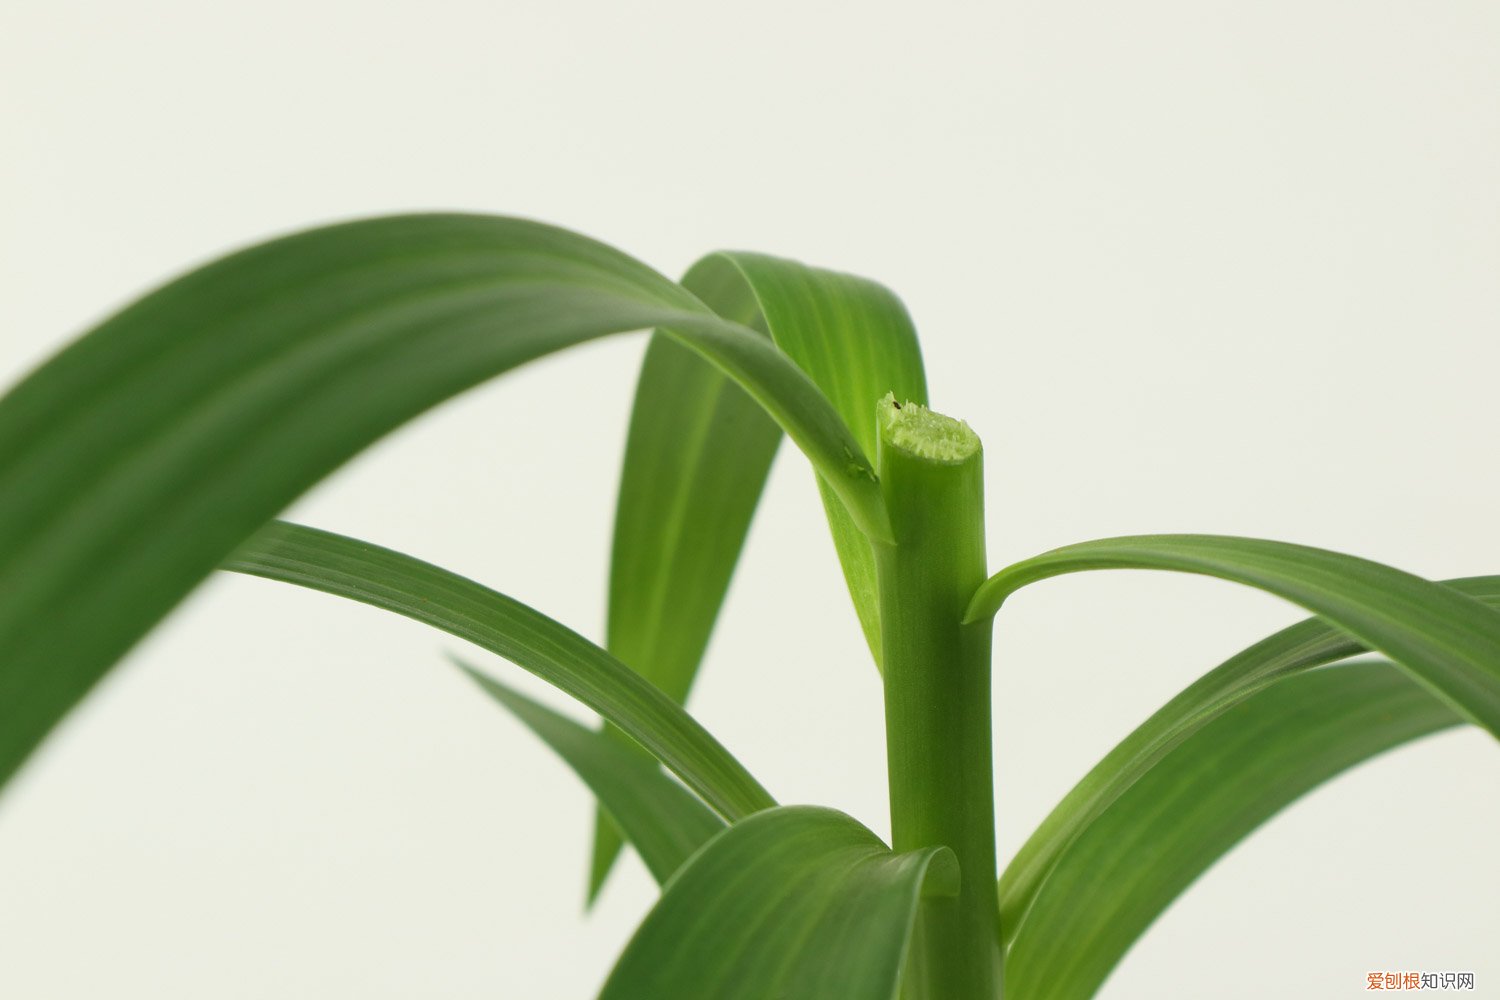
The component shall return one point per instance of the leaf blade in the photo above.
(663, 821)
(796, 902)
(1448, 640)
(856, 341)
(696, 459)
(1307, 645)
(141, 455)
(1196, 803)
(358, 571)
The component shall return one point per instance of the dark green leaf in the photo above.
(134, 461)
(795, 903)
(423, 592)
(663, 820)
(1194, 804)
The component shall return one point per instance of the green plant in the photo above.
(162, 444)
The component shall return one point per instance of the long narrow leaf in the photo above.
(1301, 647)
(134, 461)
(698, 453)
(1448, 640)
(384, 579)
(662, 820)
(696, 460)
(856, 341)
(796, 903)
(1197, 802)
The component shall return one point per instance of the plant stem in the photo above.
(937, 691)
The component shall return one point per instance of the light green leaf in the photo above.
(796, 903)
(1197, 802)
(855, 339)
(698, 453)
(696, 460)
(1301, 647)
(138, 458)
(663, 820)
(1447, 640)
(384, 579)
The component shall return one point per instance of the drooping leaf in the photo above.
(796, 903)
(1195, 803)
(698, 453)
(384, 579)
(1301, 647)
(1447, 640)
(135, 460)
(856, 340)
(661, 819)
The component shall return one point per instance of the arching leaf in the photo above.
(699, 450)
(384, 579)
(1308, 644)
(135, 460)
(1194, 804)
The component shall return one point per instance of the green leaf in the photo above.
(1301, 647)
(696, 460)
(855, 339)
(1447, 640)
(1197, 802)
(663, 820)
(796, 903)
(698, 453)
(135, 460)
(384, 579)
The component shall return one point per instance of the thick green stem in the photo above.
(937, 691)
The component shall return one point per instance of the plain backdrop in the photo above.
(1185, 266)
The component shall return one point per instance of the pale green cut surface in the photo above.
(919, 431)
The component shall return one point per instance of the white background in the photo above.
(1185, 266)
